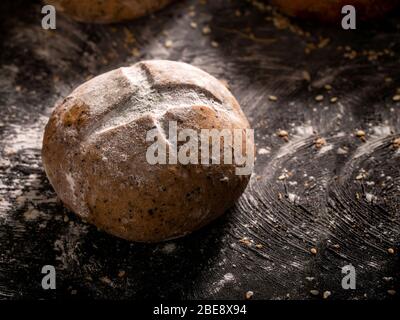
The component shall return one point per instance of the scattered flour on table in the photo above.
(25, 137)
(17, 190)
(262, 151)
(169, 248)
(325, 149)
(4, 207)
(217, 286)
(68, 245)
(297, 140)
(374, 141)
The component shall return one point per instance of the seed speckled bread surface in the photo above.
(94, 151)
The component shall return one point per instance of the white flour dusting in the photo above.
(262, 151)
(325, 149)
(374, 141)
(169, 248)
(71, 182)
(67, 245)
(217, 286)
(298, 140)
(25, 137)
(4, 207)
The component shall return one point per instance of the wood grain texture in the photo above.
(339, 195)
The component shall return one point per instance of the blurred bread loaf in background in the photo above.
(106, 11)
(330, 10)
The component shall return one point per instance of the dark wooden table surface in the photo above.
(339, 195)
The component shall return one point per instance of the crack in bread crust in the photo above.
(147, 97)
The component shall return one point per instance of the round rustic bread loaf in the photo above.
(94, 151)
(331, 10)
(107, 11)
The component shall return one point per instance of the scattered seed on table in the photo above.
(106, 280)
(319, 98)
(282, 133)
(314, 292)
(283, 176)
(206, 30)
(135, 52)
(246, 241)
(168, 43)
(306, 75)
(319, 142)
(360, 133)
(272, 98)
(249, 295)
(121, 273)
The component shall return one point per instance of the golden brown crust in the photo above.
(330, 10)
(94, 151)
(107, 11)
